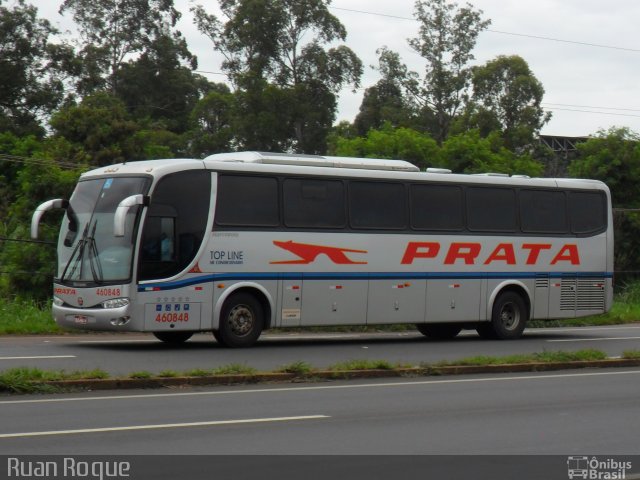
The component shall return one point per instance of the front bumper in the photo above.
(121, 319)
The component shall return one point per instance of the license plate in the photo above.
(81, 319)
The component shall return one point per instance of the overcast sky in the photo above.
(587, 87)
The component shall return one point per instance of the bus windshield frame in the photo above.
(88, 252)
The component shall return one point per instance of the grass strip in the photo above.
(631, 354)
(542, 357)
(34, 380)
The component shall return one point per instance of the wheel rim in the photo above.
(241, 320)
(510, 316)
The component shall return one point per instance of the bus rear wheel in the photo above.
(509, 317)
(241, 321)
(173, 338)
(439, 330)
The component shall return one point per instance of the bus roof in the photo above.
(314, 161)
(298, 164)
(146, 167)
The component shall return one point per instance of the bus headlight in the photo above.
(58, 302)
(115, 303)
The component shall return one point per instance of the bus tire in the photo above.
(485, 330)
(241, 321)
(508, 317)
(440, 331)
(173, 338)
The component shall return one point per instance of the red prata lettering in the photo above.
(64, 291)
(568, 253)
(420, 250)
(462, 251)
(502, 253)
(534, 251)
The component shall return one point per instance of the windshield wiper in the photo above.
(87, 242)
(93, 256)
(77, 255)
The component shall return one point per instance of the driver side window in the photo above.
(175, 223)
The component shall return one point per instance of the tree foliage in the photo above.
(112, 31)
(32, 69)
(613, 157)
(446, 38)
(386, 101)
(392, 143)
(158, 87)
(507, 96)
(464, 153)
(284, 45)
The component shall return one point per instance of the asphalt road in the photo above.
(566, 413)
(124, 353)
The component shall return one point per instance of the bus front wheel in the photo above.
(241, 321)
(508, 318)
(173, 338)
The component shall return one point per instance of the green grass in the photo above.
(363, 365)
(33, 380)
(631, 354)
(297, 368)
(26, 317)
(30, 380)
(542, 357)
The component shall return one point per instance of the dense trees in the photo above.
(613, 156)
(277, 56)
(32, 66)
(127, 89)
(447, 35)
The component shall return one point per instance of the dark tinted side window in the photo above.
(313, 203)
(377, 205)
(587, 211)
(543, 211)
(245, 201)
(175, 223)
(491, 209)
(436, 207)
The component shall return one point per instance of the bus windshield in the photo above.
(88, 251)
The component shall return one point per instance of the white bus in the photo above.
(239, 243)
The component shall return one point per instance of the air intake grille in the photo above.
(590, 294)
(568, 294)
(542, 283)
(582, 294)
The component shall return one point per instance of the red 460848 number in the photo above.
(174, 317)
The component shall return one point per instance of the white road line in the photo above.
(165, 425)
(581, 329)
(320, 387)
(38, 357)
(592, 339)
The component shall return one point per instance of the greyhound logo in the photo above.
(308, 253)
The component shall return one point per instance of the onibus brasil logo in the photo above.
(593, 468)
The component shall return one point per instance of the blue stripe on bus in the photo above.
(367, 275)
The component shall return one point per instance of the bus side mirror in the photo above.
(123, 208)
(45, 207)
